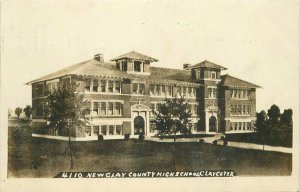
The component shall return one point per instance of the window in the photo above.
(248, 126)
(88, 130)
(137, 66)
(117, 87)
(52, 86)
(194, 109)
(95, 108)
(239, 109)
(179, 91)
(95, 85)
(118, 65)
(103, 86)
(95, 130)
(88, 85)
(213, 75)
(248, 94)
(152, 107)
(134, 88)
(111, 130)
(184, 91)
(39, 111)
(103, 108)
(141, 89)
(212, 92)
(88, 109)
(110, 86)
(110, 108)
(152, 89)
(124, 65)
(103, 130)
(235, 126)
(107, 108)
(240, 94)
(169, 90)
(157, 90)
(163, 90)
(189, 92)
(117, 108)
(118, 129)
(39, 90)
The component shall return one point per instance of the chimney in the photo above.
(99, 57)
(187, 66)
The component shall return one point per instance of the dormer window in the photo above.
(213, 75)
(137, 66)
(134, 63)
(124, 66)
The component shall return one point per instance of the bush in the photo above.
(201, 141)
(100, 138)
(141, 137)
(126, 136)
(215, 142)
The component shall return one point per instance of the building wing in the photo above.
(227, 80)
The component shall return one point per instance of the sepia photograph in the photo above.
(196, 91)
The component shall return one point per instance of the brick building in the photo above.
(124, 92)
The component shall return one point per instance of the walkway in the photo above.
(230, 143)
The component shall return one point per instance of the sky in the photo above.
(257, 41)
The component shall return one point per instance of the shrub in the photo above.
(126, 136)
(141, 137)
(100, 138)
(201, 141)
(215, 142)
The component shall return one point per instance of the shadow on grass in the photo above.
(37, 157)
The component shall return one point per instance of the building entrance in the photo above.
(139, 125)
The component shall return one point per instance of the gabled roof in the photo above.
(135, 55)
(227, 80)
(208, 64)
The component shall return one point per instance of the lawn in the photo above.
(280, 137)
(34, 157)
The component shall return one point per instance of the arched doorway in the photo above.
(212, 124)
(139, 125)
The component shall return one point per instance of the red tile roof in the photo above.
(135, 55)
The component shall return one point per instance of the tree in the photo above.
(66, 111)
(262, 126)
(274, 114)
(27, 110)
(172, 117)
(18, 112)
(286, 118)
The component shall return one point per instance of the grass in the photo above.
(281, 137)
(36, 157)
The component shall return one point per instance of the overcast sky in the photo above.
(256, 40)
